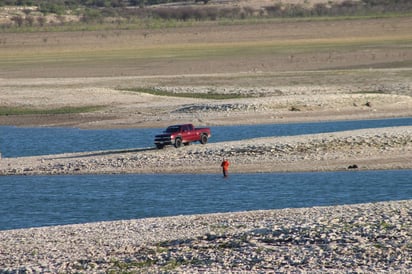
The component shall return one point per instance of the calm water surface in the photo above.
(16, 141)
(31, 201)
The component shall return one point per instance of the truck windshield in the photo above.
(173, 129)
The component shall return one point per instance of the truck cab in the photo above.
(182, 134)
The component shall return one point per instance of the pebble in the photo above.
(275, 150)
(366, 238)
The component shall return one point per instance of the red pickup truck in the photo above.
(182, 134)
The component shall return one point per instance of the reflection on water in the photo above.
(29, 201)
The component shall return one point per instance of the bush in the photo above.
(97, 10)
(41, 20)
(18, 20)
(91, 15)
(320, 9)
(29, 20)
(52, 8)
(186, 13)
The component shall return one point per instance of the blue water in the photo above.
(31, 201)
(16, 141)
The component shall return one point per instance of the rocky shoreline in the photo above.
(363, 238)
(366, 149)
(366, 238)
(266, 85)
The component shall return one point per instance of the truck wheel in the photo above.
(178, 142)
(160, 146)
(203, 139)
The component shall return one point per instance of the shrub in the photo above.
(52, 8)
(29, 20)
(18, 20)
(97, 10)
(320, 9)
(91, 15)
(41, 20)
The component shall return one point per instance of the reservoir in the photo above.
(15, 141)
(31, 201)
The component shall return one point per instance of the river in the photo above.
(33, 201)
(16, 141)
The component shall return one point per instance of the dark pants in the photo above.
(225, 173)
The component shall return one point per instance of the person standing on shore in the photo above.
(225, 166)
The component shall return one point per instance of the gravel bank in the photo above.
(383, 148)
(372, 238)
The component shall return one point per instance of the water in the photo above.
(15, 142)
(31, 201)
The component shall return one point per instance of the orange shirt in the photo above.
(225, 164)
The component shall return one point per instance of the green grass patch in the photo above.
(370, 92)
(49, 56)
(136, 24)
(208, 95)
(158, 23)
(4, 111)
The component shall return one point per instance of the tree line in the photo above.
(124, 10)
